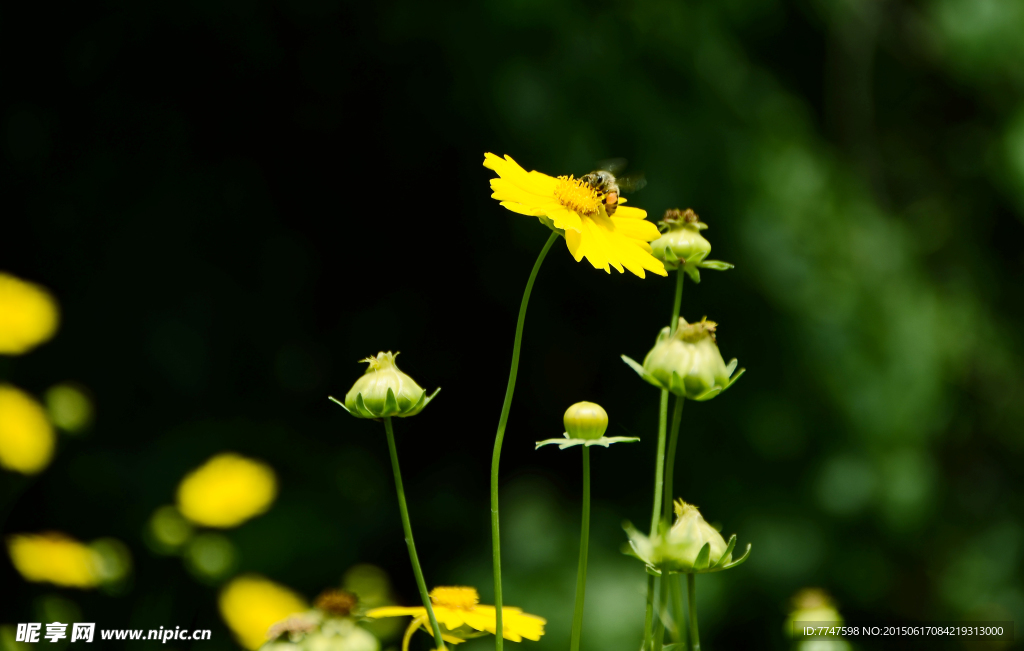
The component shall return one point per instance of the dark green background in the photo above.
(235, 201)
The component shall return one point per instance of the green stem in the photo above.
(659, 461)
(581, 573)
(499, 437)
(420, 583)
(677, 302)
(678, 609)
(659, 629)
(649, 616)
(670, 461)
(691, 598)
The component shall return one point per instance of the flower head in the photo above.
(328, 627)
(585, 424)
(226, 491)
(385, 391)
(55, 558)
(28, 315)
(26, 436)
(578, 211)
(682, 246)
(688, 362)
(251, 604)
(690, 545)
(461, 616)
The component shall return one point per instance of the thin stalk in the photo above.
(420, 583)
(670, 460)
(678, 608)
(500, 436)
(581, 573)
(659, 462)
(691, 598)
(659, 629)
(649, 616)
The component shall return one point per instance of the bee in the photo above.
(605, 181)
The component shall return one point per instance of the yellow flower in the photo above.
(54, 558)
(28, 315)
(26, 437)
(573, 207)
(226, 491)
(251, 604)
(461, 616)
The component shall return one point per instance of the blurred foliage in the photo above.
(233, 202)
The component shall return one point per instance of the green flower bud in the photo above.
(688, 362)
(682, 245)
(690, 546)
(385, 391)
(585, 420)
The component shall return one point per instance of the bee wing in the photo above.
(613, 165)
(631, 182)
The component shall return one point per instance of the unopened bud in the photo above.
(385, 391)
(585, 420)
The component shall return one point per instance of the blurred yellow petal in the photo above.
(54, 558)
(226, 491)
(28, 315)
(26, 437)
(251, 604)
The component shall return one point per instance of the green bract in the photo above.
(385, 391)
(688, 362)
(682, 245)
(690, 546)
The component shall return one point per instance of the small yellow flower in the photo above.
(461, 617)
(55, 558)
(26, 437)
(226, 491)
(28, 315)
(251, 604)
(575, 209)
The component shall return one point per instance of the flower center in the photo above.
(457, 597)
(578, 196)
(382, 360)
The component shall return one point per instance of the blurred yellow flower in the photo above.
(28, 315)
(575, 208)
(251, 604)
(461, 616)
(55, 558)
(26, 437)
(226, 491)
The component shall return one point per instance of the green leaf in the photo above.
(717, 265)
(693, 273)
(339, 403)
(728, 550)
(390, 404)
(703, 558)
(740, 560)
(361, 407)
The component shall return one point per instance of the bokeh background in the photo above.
(233, 202)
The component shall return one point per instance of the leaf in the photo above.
(339, 403)
(390, 403)
(728, 550)
(740, 560)
(717, 265)
(361, 407)
(703, 557)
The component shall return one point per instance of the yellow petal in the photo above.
(395, 611)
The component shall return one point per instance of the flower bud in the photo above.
(690, 546)
(688, 362)
(585, 420)
(681, 242)
(385, 391)
(682, 246)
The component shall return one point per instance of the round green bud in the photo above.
(385, 391)
(681, 242)
(688, 362)
(585, 420)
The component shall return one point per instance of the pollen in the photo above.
(578, 196)
(458, 598)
